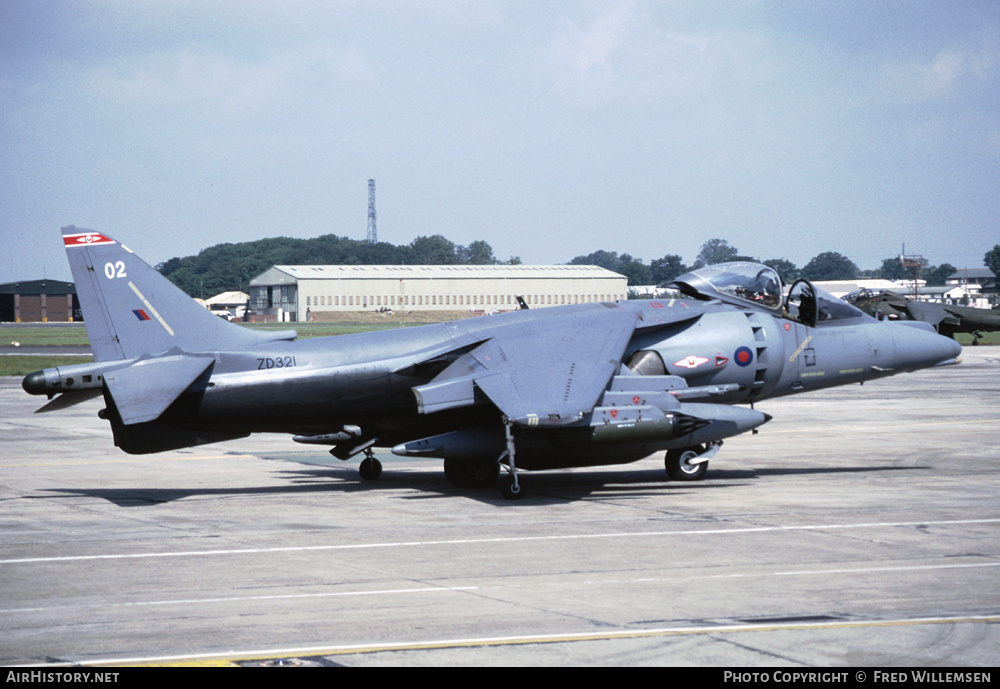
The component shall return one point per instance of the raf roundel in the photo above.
(743, 356)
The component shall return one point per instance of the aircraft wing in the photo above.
(544, 372)
(928, 313)
(952, 318)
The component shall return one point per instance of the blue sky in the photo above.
(549, 129)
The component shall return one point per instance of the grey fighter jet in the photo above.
(580, 385)
(947, 319)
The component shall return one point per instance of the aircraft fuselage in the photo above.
(320, 385)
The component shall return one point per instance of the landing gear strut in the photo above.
(511, 490)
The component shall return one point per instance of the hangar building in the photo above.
(38, 301)
(299, 293)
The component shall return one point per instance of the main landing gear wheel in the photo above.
(680, 464)
(370, 468)
(477, 473)
(512, 490)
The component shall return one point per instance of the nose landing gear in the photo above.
(370, 468)
(690, 463)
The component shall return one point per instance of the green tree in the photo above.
(830, 265)
(605, 259)
(635, 270)
(992, 260)
(434, 250)
(788, 271)
(938, 275)
(892, 269)
(478, 253)
(715, 251)
(666, 269)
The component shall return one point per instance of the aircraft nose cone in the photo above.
(954, 350)
(918, 348)
(34, 383)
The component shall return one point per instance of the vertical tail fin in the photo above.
(130, 309)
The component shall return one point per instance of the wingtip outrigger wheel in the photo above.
(511, 490)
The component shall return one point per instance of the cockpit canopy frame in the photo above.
(745, 283)
(741, 282)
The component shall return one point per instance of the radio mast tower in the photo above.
(372, 237)
(912, 262)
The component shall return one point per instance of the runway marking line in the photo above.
(498, 539)
(230, 659)
(104, 605)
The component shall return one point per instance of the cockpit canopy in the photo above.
(864, 295)
(745, 283)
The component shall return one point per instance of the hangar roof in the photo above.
(38, 287)
(435, 272)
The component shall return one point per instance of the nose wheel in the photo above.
(370, 468)
(689, 463)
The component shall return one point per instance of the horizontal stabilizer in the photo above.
(144, 390)
(68, 399)
(277, 335)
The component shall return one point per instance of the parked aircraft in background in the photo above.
(578, 385)
(946, 318)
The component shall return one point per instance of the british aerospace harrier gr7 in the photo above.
(947, 319)
(569, 386)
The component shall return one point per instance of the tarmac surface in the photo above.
(860, 527)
